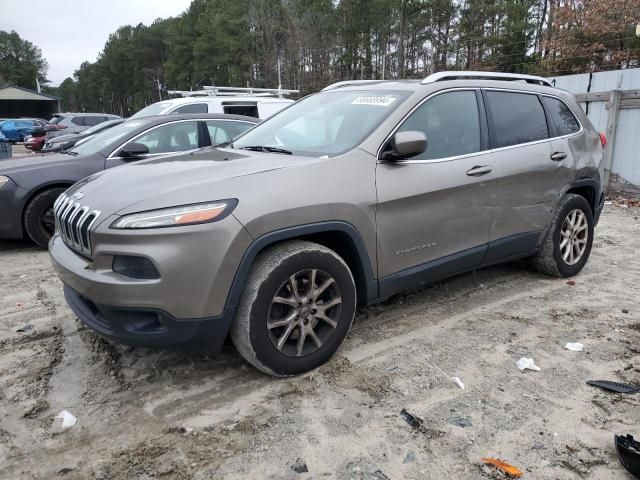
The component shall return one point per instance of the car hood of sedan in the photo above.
(202, 176)
(19, 169)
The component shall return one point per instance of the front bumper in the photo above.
(148, 327)
(187, 303)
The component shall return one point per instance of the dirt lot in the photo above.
(147, 414)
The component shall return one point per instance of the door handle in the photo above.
(479, 170)
(558, 156)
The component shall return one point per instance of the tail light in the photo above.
(603, 140)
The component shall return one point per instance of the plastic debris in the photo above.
(614, 386)
(415, 422)
(527, 364)
(574, 347)
(628, 451)
(25, 328)
(571, 282)
(624, 310)
(409, 458)
(458, 382)
(68, 419)
(505, 467)
(299, 466)
(19, 304)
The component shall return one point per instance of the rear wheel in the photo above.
(567, 244)
(38, 216)
(296, 309)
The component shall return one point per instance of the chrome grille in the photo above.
(74, 222)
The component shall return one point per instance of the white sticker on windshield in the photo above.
(381, 101)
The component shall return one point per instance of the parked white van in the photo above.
(252, 102)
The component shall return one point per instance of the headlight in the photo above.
(177, 216)
(3, 180)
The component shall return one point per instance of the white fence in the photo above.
(612, 102)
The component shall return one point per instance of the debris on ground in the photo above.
(574, 347)
(379, 474)
(455, 380)
(571, 282)
(503, 466)
(527, 364)
(299, 466)
(19, 304)
(463, 422)
(628, 451)
(614, 386)
(415, 422)
(409, 457)
(624, 310)
(67, 419)
(25, 328)
(458, 382)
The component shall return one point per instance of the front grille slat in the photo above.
(74, 223)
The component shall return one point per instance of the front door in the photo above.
(435, 209)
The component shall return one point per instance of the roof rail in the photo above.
(454, 75)
(210, 91)
(348, 83)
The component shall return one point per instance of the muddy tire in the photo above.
(296, 309)
(567, 244)
(38, 216)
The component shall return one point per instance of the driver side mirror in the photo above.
(404, 145)
(133, 150)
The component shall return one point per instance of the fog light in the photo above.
(135, 267)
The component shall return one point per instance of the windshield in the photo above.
(153, 109)
(107, 137)
(100, 126)
(328, 123)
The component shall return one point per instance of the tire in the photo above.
(270, 277)
(551, 258)
(38, 216)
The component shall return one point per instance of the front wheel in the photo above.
(296, 309)
(38, 216)
(567, 244)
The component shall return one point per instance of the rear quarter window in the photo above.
(517, 118)
(562, 116)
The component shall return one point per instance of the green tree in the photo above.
(21, 62)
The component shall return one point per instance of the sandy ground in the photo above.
(150, 414)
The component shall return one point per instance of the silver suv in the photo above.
(345, 198)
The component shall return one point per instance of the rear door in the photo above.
(435, 209)
(530, 178)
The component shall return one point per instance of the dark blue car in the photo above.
(16, 130)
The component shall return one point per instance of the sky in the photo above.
(70, 32)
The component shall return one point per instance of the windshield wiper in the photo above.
(266, 148)
(69, 152)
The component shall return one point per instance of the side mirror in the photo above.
(405, 145)
(133, 150)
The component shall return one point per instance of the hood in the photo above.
(65, 138)
(22, 170)
(202, 176)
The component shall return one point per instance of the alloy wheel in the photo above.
(304, 313)
(574, 235)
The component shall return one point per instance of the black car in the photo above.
(30, 185)
(65, 142)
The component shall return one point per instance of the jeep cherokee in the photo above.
(345, 198)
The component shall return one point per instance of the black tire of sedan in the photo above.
(296, 309)
(38, 216)
(567, 244)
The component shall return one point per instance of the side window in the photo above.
(92, 121)
(78, 121)
(450, 121)
(517, 118)
(222, 131)
(249, 110)
(173, 137)
(191, 108)
(561, 116)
